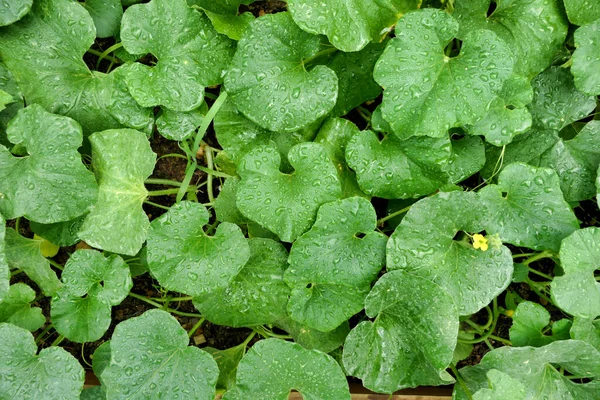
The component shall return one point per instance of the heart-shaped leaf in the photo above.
(184, 258)
(150, 358)
(581, 12)
(529, 321)
(426, 92)
(257, 295)
(53, 374)
(268, 79)
(286, 204)
(51, 184)
(586, 59)
(331, 269)
(527, 208)
(16, 308)
(122, 160)
(285, 366)
(411, 341)
(424, 244)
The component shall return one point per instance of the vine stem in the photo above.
(100, 54)
(195, 327)
(162, 307)
(392, 215)
(58, 340)
(152, 181)
(461, 381)
(55, 264)
(39, 338)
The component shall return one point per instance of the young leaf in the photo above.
(331, 269)
(81, 309)
(586, 59)
(424, 244)
(285, 366)
(286, 204)
(228, 361)
(577, 291)
(534, 29)
(122, 160)
(16, 308)
(502, 386)
(60, 233)
(175, 125)
(581, 12)
(184, 258)
(106, 15)
(350, 24)
(529, 321)
(269, 82)
(411, 341)
(395, 168)
(13, 10)
(4, 269)
(54, 373)
(426, 92)
(191, 55)
(150, 358)
(50, 184)
(312, 339)
(527, 208)
(257, 295)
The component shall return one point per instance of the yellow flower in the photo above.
(480, 242)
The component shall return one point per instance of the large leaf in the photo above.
(257, 295)
(184, 258)
(44, 53)
(286, 204)
(411, 341)
(577, 291)
(26, 255)
(581, 12)
(16, 308)
(150, 358)
(527, 208)
(426, 92)
(106, 15)
(331, 269)
(81, 310)
(424, 244)
(534, 29)
(586, 59)
(536, 369)
(285, 366)
(13, 10)
(350, 24)
(50, 184)
(268, 80)
(122, 160)
(53, 374)
(190, 53)
(529, 322)
(395, 168)
(4, 269)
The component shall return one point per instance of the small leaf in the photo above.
(150, 358)
(412, 340)
(175, 125)
(586, 59)
(13, 10)
(286, 204)
(587, 330)
(331, 269)
(581, 12)
(101, 359)
(529, 321)
(468, 157)
(16, 308)
(225, 7)
(225, 206)
(184, 258)
(577, 291)
(285, 366)
(9, 85)
(228, 361)
(268, 80)
(310, 338)
(122, 160)
(47, 248)
(233, 26)
(60, 233)
(502, 386)
(106, 15)
(527, 208)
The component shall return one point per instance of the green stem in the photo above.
(15, 272)
(461, 381)
(99, 54)
(195, 327)
(249, 338)
(39, 337)
(264, 332)
(156, 205)
(209, 177)
(484, 336)
(162, 307)
(55, 264)
(543, 275)
(170, 299)
(152, 181)
(501, 340)
(17, 223)
(523, 255)
(106, 52)
(539, 256)
(165, 192)
(175, 155)
(392, 215)
(212, 172)
(308, 61)
(537, 291)
(58, 340)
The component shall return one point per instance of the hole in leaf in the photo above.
(453, 48)
(309, 286)
(491, 9)
(504, 194)
(510, 107)
(360, 235)
(459, 236)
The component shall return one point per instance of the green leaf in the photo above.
(5, 99)
(577, 292)
(310, 338)
(81, 310)
(190, 53)
(50, 184)
(16, 308)
(468, 157)
(13, 10)
(220, 7)
(581, 12)
(101, 359)
(184, 258)
(529, 322)
(350, 24)
(286, 204)
(150, 358)
(257, 295)
(228, 361)
(106, 15)
(60, 233)
(225, 207)
(54, 74)
(502, 386)
(534, 29)
(331, 269)
(233, 26)
(26, 255)
(411, 341)
(285, 366)
(8, 85)
(175, 125)
(4, 268)
(122, 160)
(269, 82)
(586, 59)
(424, 245)
(93, 393)
(527, 208)
(395, 168)
(587, 330)
(426, 92)
(53, 374)
(536, 368)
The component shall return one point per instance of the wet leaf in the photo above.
(225, 7)
(9, 85)
(529, 321)
(106, 15)
(228, 361)
(13, 10)
(502, 386)
(310, 338)
(60, 233)
(581, 12)
(225, 206)
(468, 157)
(233, 26)
(587, 330)
(16, 308)
(175, 125)
(4, 269)
(586, 59)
